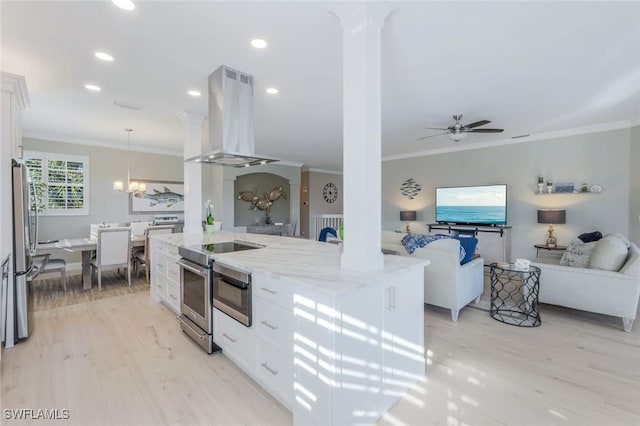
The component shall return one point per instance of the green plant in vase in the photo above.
(210, 219)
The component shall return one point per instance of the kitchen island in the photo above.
(334, 346)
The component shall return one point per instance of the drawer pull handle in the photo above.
(270, 370)
(230, 338)
(269, 290)
(266, 324)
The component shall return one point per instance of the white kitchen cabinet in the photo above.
(237, 341)
(274, 325)
(377, 330)
(165, 274)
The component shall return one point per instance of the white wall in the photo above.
(317, 204)
(598, 158)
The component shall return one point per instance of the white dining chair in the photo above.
(142, 257)
(47, 265)
(139, 228)
(113, 251)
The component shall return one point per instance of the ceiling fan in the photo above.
(458, 131)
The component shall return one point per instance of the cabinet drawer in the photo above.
(237, 341)
(161, 287)
(275, 370)
(173, 269)
(274, 323)
(172, 249)
(173, 296)
(274, 289)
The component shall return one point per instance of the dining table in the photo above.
(85, 245)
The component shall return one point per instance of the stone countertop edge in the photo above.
(307, 262)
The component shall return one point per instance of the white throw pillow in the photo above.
(609, 254)
(577, 254)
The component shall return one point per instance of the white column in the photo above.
(361, 162)
(192, 142)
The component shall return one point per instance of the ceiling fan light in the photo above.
(457, 137)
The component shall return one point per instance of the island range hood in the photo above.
(231, 121)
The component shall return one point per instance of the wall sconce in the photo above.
(552, 217)
(408, 216)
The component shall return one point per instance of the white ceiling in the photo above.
(529, 67)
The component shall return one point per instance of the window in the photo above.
(62, 183)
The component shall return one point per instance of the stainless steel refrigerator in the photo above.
(25, 237)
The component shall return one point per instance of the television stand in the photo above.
(494, 242)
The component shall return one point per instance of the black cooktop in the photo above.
(228, 247)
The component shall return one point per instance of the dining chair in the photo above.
(142, 257)
(113, 251)
(47, 265)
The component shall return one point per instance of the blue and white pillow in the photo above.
(411, 242)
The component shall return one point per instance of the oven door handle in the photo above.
(233, 283)
(198, 271)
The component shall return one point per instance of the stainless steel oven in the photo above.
(205, 283)
(195, 303)
(232, 292)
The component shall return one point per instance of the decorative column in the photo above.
(361, 161)
(193, 201)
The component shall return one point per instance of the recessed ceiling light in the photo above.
(92, 87)
(258, 43)
(272, 91)
(103, 56)
(194, 93)
(124, 4)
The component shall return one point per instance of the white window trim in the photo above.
(85, 187)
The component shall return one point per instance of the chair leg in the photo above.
(63, 273)
(147, 271)
(477, 301)
(627, 323)
(129, 275)
(454, 315)
(99, 279)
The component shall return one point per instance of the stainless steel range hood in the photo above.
(231, 121)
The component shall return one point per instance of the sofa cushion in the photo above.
(610, 253)
(577, 254)
(468, 244)
(632, 265)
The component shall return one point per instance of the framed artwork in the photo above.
(160, 196)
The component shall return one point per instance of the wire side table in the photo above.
(514, 295)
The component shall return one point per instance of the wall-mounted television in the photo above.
(472, 205)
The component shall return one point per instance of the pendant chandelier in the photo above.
(132, 186)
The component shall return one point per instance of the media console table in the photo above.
(494, 242)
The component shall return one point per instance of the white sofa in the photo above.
(594, 290)
(446, 283)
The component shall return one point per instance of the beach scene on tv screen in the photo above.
(473, 204)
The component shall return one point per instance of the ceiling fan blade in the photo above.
(485, 130)
(432, 136)
(435, 128)
(476, 124)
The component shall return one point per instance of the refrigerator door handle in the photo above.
(34, 243)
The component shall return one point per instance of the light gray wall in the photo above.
(597, 158)
(634, 186)
(105, 205)
(317, 204)
(263, 183)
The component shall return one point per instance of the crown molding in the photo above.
(16, 85)
(91, 142)
(330, 172)
(604, 127)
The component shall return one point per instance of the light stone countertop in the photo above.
(308, 262)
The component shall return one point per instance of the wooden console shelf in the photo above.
(494, 242)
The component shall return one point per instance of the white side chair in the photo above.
(47, 265)
(114, 251)
(139, 228)
(142, 257)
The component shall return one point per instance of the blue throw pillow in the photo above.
(469, 245)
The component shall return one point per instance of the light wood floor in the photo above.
(124, 361)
